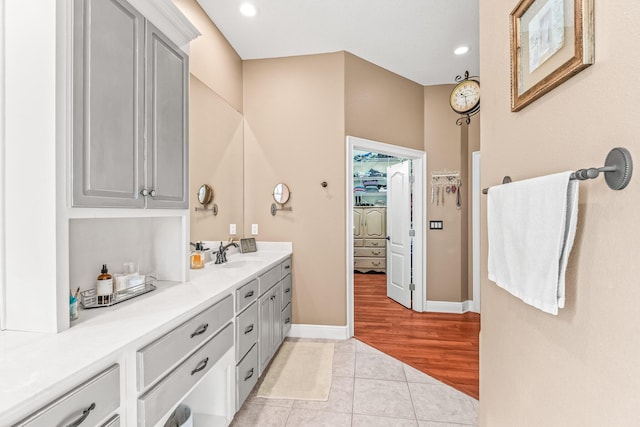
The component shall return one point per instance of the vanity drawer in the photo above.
(376, 243)
(268, 279)
(285, 267)
(286, 320)
(246, 330)
(369, 263)
(370, 252)
(286, 291)
(159, 356)
(358, 242)
(246, 376)
(155, 403)
(100, 396)
(246, 294)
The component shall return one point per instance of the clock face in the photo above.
(465, 97)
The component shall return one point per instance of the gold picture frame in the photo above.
(551, 41)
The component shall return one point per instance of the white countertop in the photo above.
(35, 368)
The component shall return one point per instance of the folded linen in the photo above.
(531, 228)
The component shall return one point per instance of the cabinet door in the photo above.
(357, 223)
(375, 220)
(265, 317)
(108, 102)
(166, 110)
(276, 319)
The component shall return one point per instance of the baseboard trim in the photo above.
(319, 331)
(449, 307)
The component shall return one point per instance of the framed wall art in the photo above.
(551, 41)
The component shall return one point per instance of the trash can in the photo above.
(181, 417)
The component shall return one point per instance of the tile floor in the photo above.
(369, 389)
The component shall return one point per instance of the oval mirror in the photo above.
(281, 193)
(205, 194)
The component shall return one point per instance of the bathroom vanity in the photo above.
(203, 343)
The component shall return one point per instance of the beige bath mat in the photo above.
(300, 371)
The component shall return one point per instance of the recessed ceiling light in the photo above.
(247, 9)
(461, 50)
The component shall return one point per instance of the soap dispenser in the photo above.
(104, 286)
(197, 256)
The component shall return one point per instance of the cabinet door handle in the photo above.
(248, 329)
(272, 297)
(201, 330)
(201, 366)
(152, 193)
(286, 291)
(248, 294)
(83, 417)
(144, 192)
(287, 320)
(249, 374)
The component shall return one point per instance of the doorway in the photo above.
(408, 240)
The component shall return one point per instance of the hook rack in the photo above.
(617, 169)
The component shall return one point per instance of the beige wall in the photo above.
(382, 106)
(473, 144)
(579, 368)
(215, 158)
(295, 133)
(212, 59)
(442, 142)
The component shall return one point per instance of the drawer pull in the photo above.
(376, 263)
(287, 320)
(286, 291)
(248, 329)
(375, 252)
(83, 417)
(248, 294)
(201, 330)
(249, 374)
(286, 267)
(201, 366)
(374, 243)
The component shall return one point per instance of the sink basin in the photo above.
(240, 261)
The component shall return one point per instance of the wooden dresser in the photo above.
(369, 239)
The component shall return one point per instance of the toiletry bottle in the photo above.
(104, 286)
(197, 256)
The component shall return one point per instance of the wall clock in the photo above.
(465, 98)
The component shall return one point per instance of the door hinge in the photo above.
(412, 179)
(412, 233)
(412, 286)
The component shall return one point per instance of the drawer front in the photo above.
(268, 279)
(286, 321)
(246, 376)
(155, 403)
(101, 394)
(113, 422)
(159, 356)
(287, 290)
(358, 242)
(246, 330)
(246, 294)
(369, 262)
(370, 252)
(375, 243)
(285, 267)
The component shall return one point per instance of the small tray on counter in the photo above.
(90, 298)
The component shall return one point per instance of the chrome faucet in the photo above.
(221, 255)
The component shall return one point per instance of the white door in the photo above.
(398, 226)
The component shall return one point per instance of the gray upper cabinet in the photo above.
(166, 110)
(129, 110)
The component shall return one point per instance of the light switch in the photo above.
(232, 229)
(254, 229)
(435, 225)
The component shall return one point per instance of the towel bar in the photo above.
(618, 168)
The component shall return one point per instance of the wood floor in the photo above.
(444, 346)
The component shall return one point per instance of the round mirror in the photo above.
(281, 193)
(205, 194)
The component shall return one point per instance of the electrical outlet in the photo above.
(254, 229)
(232, 229)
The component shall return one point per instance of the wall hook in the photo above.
(324, 184)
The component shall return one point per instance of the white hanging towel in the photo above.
(532, 224)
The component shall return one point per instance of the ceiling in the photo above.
(412, 38)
